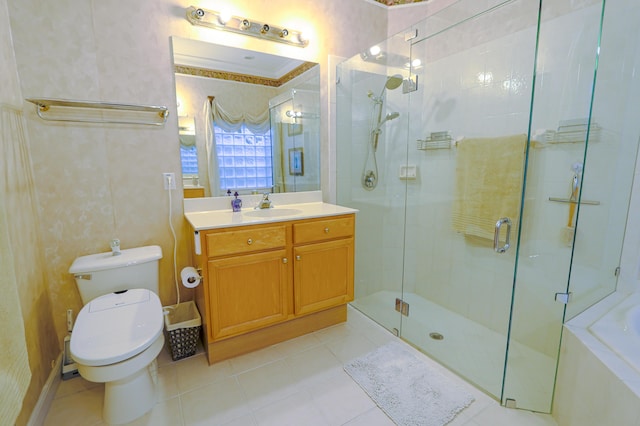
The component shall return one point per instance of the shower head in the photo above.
(393, 82)
(390, 116)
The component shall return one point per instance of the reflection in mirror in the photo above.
(241, 116)
(189, 158)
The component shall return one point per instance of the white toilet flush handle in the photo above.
(115, 246)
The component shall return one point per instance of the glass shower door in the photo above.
(567, 178)
(372, 125)
(295, 130)
(468, 133)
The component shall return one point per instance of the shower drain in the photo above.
(436, 336)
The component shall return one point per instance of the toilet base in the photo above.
(132, 397)
(129, 386)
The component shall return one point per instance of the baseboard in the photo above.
(47, 394)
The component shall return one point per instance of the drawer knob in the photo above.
(249, 241)
(326, 230)
(298, 257)
(285, 260)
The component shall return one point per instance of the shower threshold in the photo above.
(467, 348)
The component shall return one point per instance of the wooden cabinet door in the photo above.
(323, 275)
(247, 292)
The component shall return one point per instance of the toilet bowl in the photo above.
(118, 335)
(115, 341)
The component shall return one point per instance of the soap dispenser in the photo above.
(236, 203)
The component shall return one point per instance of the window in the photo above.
(189, 157)
(244, 159)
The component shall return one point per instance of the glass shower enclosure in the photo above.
(295, 131)
(472, 144)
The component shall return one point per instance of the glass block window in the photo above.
(244, 159)
(189, 157)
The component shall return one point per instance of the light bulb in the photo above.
(224, 17)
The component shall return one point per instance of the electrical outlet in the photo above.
(169, 180)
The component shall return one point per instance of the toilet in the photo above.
(118, 333)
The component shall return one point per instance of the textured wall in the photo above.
(97, 182)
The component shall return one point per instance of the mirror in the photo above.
(248, 121)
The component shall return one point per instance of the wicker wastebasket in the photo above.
(182, 325)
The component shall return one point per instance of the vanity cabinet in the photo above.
(323, 265)
(247, 292)
(195, 192)
(263, 284)
(247, 277)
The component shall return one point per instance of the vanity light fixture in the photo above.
(299, 114)
(373, 54)
(294, 114)
(236, 24)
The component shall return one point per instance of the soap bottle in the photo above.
(236, 203)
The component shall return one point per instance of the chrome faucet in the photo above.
(265, 203)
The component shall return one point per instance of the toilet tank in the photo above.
(103, 273)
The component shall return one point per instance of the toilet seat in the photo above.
(116, 326)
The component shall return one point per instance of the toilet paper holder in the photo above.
(191, 277)
(191, 280)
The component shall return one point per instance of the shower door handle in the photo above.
(496, 235)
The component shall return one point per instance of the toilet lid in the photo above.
(116, 326)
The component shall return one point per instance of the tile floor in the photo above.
(299, 382)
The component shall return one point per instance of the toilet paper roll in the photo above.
(190, 277)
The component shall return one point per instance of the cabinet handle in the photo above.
(249, 241)
(326, 230)
(298, 257)
(285, 260)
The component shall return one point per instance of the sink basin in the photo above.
(274, 212)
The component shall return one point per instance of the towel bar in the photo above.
(567, 200)
(44, 105)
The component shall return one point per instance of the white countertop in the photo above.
(216, 212)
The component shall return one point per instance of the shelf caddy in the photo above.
(435, 140)
(99, 112)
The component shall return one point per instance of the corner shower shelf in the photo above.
(100, 112)
(436, 140)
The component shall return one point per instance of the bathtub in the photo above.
(619, 330)
(598, 377)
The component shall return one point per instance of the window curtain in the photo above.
(229, 121)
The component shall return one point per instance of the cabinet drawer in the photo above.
(245, 240)
(321, 230)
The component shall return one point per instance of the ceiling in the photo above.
(200, 54)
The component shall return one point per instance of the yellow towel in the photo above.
(489, 175)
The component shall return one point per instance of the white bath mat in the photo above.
(406, 388)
